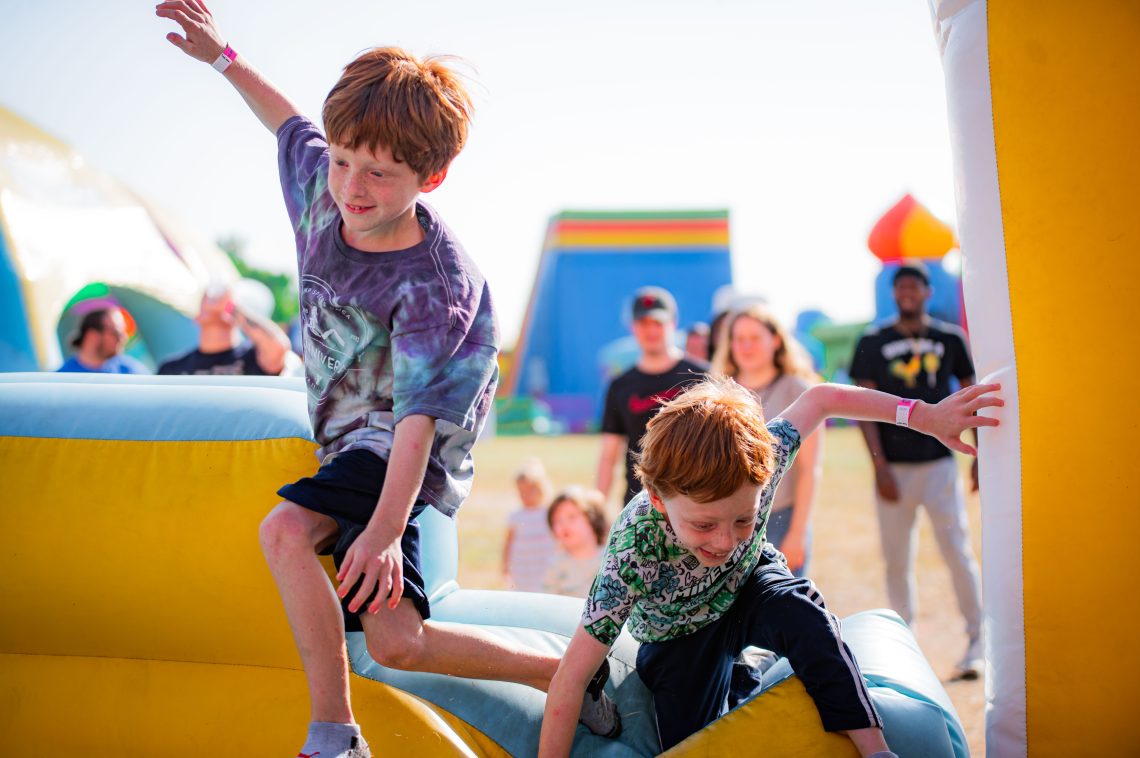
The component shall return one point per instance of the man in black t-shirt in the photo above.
(660, 374)
(220, 350)
(916, 357)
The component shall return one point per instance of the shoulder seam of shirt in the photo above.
(433, 251)
(290, 123)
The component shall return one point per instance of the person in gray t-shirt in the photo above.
(760, 355)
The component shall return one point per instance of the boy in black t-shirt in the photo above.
(660, 374)
(915, 357)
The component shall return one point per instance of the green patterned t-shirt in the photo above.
(661, 588)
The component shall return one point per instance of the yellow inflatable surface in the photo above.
(1044, 101)
(139, 618)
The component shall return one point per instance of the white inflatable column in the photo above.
(1044, 108)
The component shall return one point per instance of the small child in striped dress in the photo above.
(529, 544)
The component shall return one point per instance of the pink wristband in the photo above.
(223, 61)
(903, 411)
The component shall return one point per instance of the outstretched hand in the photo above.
(202, 39)
(955, 414)
(379, 561)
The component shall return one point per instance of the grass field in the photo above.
(846, 563)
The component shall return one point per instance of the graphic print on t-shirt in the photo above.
(922, 356)
(638, 404)
(335, 333)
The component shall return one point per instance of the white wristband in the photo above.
(223, 61)
(903, 411)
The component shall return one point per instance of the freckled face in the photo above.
(711, 531)
(374, 192)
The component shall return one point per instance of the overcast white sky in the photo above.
(807, 119)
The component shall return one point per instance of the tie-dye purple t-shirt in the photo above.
(388, 335)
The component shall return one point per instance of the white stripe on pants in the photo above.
(937, 487)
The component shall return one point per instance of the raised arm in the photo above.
(202, 41)
(945, 421)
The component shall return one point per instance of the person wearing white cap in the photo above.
(221, 351)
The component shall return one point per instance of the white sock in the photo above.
(328, 739)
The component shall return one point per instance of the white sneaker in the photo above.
(758, 658)
(359, 748)
(973, 663)
(599, 713)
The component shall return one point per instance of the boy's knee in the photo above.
(286, 528)
(404, 652)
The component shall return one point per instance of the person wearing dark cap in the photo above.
(915, 356)
(99, 343)
(661, 373)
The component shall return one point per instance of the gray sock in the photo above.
(331, 740)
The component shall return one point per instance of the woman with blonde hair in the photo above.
(754, 349)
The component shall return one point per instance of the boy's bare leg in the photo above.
(400, 639)
(397, 638)
(290, 535)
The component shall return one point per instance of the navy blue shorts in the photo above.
(346, 489)
(690, 676)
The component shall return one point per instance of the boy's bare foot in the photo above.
(599, 712)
